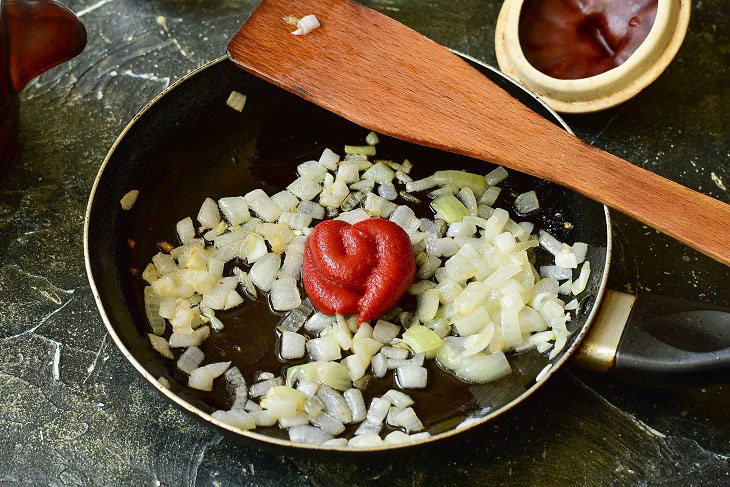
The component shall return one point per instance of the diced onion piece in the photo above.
(314, 169)
(378, 410)
(329, 159)
(468, 300)
(396, 437)
(264, 271)
(472, 323)
(356, 404)
(309, 435)
(202, 377)
(325, 348)
(335, 375)
(361, 150)
(580, 250)
(496, 176)
(209, 216)
(185, 230)
(379, 364)
(304, 188)
(490, 196)
(388, 191)
(285, 199)
(419, 287)
(526, 203)
(312, 209)
(428, 303)
(372, 138)
(129, 199)
(566, 259)
(461, 179)
(421, 184)
(409, 420)
(262, 205)
(449, 208)
(385, 332)
(152, 310)
(336, 442)
(292, 345)
(482, 368)
(549, 243)
(466, 195)
(353, 216)
(460, 268)
(305, 25)
(161, 345)
(379, 172)
(365, 441)
(580, 284)
(357, 364)
(285, 294)
(412, 377)
(194, 339)
(236, 101)
(555, 272)
(333, 194)
(335, 404)
(328, 423)
(341, 332)
(318, 322)
(422, 339)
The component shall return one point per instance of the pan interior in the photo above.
(190, 145)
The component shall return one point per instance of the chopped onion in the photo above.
(409, 420)
(580, 284)
(526, 203)
(549, 243)
(329, 159)
(129, 199)
(378, 410)
(325, 348)
(236, 101)
(310, 435)
(496, 176)
(152, 310)
(161, 345)
(412, 376)
(305, 25)
(385, 332)
(449, 209)
(356, 403)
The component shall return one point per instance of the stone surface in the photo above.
(73, 412)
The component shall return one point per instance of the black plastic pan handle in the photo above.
(659, 341)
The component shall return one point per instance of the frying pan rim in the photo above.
(181, 403)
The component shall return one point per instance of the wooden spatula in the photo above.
(388, 78)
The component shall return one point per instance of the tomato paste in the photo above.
(573, 39)
(359, 269)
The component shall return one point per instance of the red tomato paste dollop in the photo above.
(359, 269)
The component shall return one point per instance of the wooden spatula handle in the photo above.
(386, 77)
(691, 217)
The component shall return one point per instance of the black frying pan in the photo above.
(187, 145)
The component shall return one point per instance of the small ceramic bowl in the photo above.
(604, 90)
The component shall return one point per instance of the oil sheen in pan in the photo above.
(219, 152)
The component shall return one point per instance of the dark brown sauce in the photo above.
(574, 39)
(249, 339)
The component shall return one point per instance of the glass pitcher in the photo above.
(35, 35)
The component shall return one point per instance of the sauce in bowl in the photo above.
(574, 39)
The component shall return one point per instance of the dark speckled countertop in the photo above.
(74, 412)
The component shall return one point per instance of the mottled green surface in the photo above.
(73, 412)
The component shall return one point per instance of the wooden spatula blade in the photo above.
(386, 77)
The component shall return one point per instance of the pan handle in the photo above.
(658, 341)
